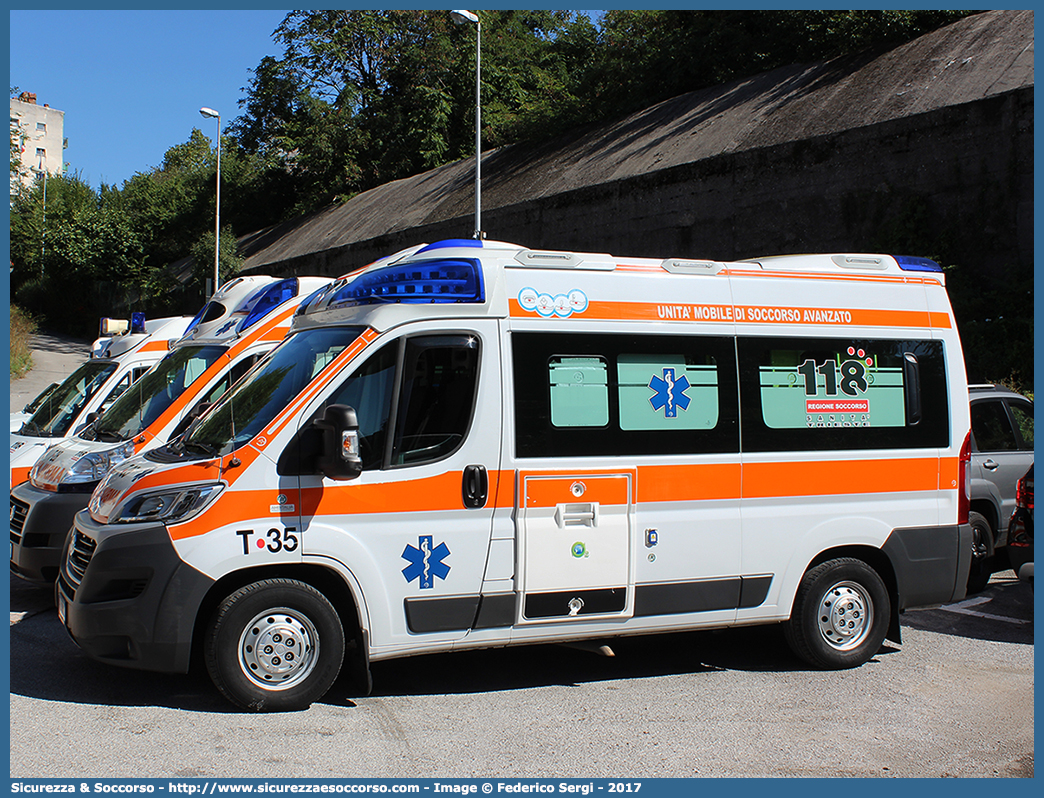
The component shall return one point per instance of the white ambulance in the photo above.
(472, 444)
(240, 324)
(64, 409)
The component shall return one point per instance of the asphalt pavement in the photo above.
(54, 358)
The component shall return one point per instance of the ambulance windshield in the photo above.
(59, 409)
(146, 400)
(243, 412)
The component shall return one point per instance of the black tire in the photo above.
(840, 615)
(982, 560)
(301, 651)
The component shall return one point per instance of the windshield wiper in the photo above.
(107, 436)
(207, 448)
(27, 428)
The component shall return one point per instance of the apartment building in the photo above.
(37, 136)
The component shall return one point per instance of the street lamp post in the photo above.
(42, 171)
(462, 17)
(210, 113)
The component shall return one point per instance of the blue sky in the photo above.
(131, 83)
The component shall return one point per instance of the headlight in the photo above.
(66, 467)
(166, 505)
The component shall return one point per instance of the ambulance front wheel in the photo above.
(275, 645)
(840, 615)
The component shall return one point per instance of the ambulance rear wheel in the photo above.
(840, 615)
(275, 645)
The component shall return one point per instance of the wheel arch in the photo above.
(880, 562)
(325, 580)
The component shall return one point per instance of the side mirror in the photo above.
(340, 458)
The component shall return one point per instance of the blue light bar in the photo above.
(426, 282)
(912, 264)
(137, 324)
(271, 297)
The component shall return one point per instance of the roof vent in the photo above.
(676, 266)
(871, 262)
(548, 259)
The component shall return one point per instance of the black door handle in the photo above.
(476, 486)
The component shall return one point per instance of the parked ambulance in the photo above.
(473, 444)
(240, 324)
(61, 410)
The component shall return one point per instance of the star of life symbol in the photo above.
(669, 393)
(425, 562)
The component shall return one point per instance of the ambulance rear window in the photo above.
(815, 393)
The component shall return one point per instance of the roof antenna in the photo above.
(462, 17)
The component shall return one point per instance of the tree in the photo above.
(86, 247)
(361, 98)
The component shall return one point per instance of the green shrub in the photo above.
(22, 329)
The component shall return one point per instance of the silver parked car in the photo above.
(1002, 451)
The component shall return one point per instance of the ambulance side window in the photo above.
(589, 394)
(436, 397)
(801, 394)
(579, 391)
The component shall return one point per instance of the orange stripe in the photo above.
(749, 314)
(684, 483)
(940, 321)
(234, 508)
(901, 279)
(442, 492)
(676, 483)
(433, 494)
(839, 477)
(20, 475)
(155, 346)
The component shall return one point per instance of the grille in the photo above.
(19, 511)
(80, 553)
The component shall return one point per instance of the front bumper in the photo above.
(40, 523)
(125, 596)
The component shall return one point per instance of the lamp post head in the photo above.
(460, 17)
(210, 112)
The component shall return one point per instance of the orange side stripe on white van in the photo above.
(654, 484)
(841, 477)
(749, 314)
(155, 346)
(603, 489)
(19, 475)
(432, 494)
